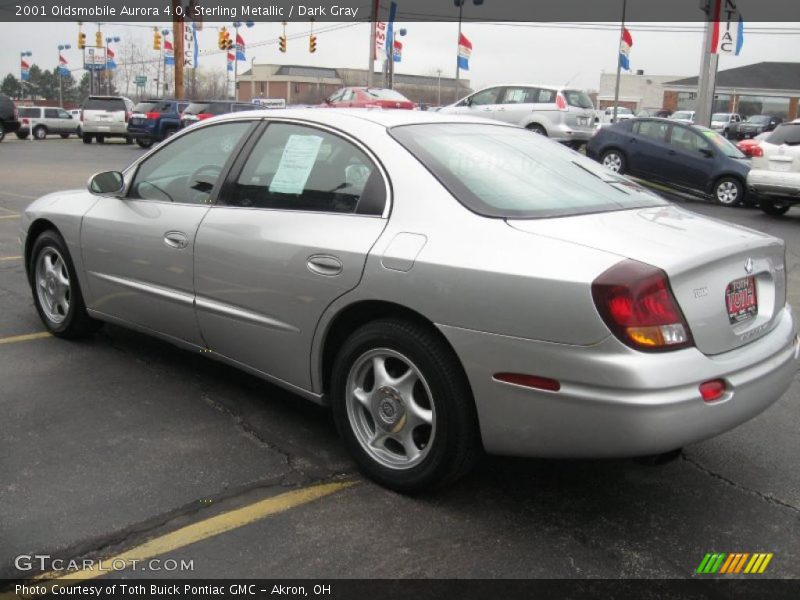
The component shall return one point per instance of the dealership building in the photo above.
(297, 84)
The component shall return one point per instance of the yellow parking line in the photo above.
(2, 258)
(24, 338)
(205, 529)
(7, 210)
(15, 195)
(13, 216)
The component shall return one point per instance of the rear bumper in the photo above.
(774, 183)
(564, 133)
(11, 126)
(614, 401)
(110, 129)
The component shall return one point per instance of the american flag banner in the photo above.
(63, 69)
(464, 52)
(625, 44)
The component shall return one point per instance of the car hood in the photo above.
(700, 255)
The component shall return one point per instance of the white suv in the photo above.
(775, 176)
(566, 115)
(104, 117)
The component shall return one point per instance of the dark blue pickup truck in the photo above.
(155, 120)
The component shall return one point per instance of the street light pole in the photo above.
(460, 5)
(619, 61)
(61, 48)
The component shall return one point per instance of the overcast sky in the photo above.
(543, 53)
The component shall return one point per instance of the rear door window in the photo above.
(520, 95)
(788, 133)
(547, 96)
(50, 113)
(654, 130)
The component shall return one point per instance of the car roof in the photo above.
(336, 117)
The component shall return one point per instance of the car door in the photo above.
(290, 234)
(690, 158)
(516, 104)
(646, 147)
(52, 122)
(138, 249)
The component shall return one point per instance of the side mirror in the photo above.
(328, 101)
(468, 101)
(109, 184)
(707, 152)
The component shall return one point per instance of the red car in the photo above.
(748, 147)
(363, 97)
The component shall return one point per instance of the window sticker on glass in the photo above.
(299, 156)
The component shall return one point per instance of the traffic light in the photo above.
(81, 40)
(156, 40)
(98, 40)
(312, 44)
(224, 41)
(282, 43)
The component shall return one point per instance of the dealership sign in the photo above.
(727, 34)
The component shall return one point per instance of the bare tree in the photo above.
(211, 84)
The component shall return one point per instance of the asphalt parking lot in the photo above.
(124, 442)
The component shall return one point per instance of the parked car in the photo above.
(9, 118)
(752, 126)
(654, 112)
(607, 115)
(106, 117)
(155, 120)
(401, 268)
(683, 116)
(686, 156)
(46, 121)
(76, 114)
(747, 146)
(200, 111)
(722, 122)
(368, 97)
(775, 175)
(565, 115)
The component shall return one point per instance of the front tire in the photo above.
(56, 291)
(87, 139)
(403, 407)
(144, 142)
(40, 132)
(100, 139)
(614, 161)
(538, 129)
(128, 140)
(774, 208)
(64, 136)
(728, 191)
(2, 132)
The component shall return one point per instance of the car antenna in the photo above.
(571, 78)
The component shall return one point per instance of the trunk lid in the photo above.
(702, 257)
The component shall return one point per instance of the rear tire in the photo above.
(2, 132)
(728, 191)
(129, 140)
(403, 406)
(56, 291)
(21, 136)
(774, 208)
(40, 132)
(144, 142)
(64, 136)
(100, 139)
(614, 161)
(87, 139)
(536, 128)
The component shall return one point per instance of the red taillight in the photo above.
(712, 390)
(561, 102)
(531, 381)
(202, 116)
(636, 302)
(756, 150)
(152, 115)
(127, 115)
(25, 121)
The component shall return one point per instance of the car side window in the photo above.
(687, 140)
(547, 96)
(519, 95)
(186, 170)
(294, 167)
(62, 114)
(484, 97)
(50, 113)
(654, 130)
(347, 96)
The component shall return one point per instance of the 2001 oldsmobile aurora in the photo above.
(446, 284)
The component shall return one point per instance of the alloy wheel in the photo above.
(53, 285)
(390, 408)
(727, 193)
(612, 161)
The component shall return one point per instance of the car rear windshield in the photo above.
(212, 108)
(29, 112)
(682, 115)
(107, 104)
(788, 133)
(720, 116)
(381, 94)
(578, 98)
(506, 172)
(759, 119)
(158, 107)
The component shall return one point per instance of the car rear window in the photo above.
(146, 107)
(788, 133)
(29, 112)
(211, 108)
(577, 98)
(759, 119)
(107, 104)
(501, 171)
(381, 94)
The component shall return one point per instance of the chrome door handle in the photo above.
(176, 239)
(324, 264)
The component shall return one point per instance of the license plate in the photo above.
(740, 299)
(136, 121)
(782, 166)
(583, 120)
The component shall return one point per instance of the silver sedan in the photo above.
(446, 284)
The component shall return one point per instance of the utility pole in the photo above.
(458, 65)
(619, 61)
(177, 34)
(708, 70)
(372, 32)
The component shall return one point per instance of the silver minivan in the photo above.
(566, 115)
(46, 121)
(106, 117)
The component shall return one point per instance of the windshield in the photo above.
(682, 114)
(722, 144)
(577, 98)
(213, 108)
(758, 119)
(381, 94)
(720, 117)
(500, 171)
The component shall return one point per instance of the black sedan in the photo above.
(681, 155)
(752, 126)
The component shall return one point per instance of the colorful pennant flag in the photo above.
(231, 60)
(63, 69)
(398, 51)
(625, 44)
(169, 54)
(25, 72)
(110, 63)
(727, 34)
(464, 52)
(240, 48)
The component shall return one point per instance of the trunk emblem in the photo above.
(748, 265)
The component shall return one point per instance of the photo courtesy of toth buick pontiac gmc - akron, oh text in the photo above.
(448, 285)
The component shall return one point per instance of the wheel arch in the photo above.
(532, 124)
(357, 314)
(35, 229)
(737, 176)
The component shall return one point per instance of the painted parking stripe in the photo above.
(11, 216)
(2, 258)
(15, 195)
(7, 210)
(25, 338)
(206, 529)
